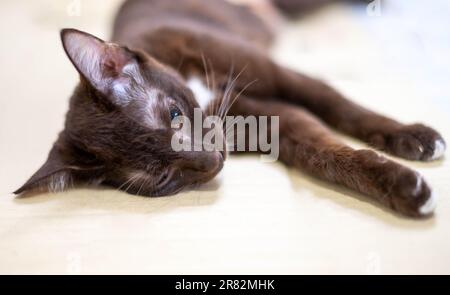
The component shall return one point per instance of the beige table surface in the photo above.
(256, 218)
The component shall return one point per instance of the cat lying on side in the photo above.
(118, 129)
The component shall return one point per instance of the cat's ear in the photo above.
(104, 65)
(58, 174)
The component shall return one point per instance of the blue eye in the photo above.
(174, 113)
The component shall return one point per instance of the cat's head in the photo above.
(118, 128)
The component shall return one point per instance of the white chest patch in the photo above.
(202, 94)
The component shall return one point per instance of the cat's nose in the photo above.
(209, 161)
(203, 161)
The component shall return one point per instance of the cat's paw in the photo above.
(411, 195)
(396, 186)
(412, 142)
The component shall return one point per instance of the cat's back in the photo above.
(138, 17)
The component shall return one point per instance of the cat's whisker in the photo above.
(210, 107)
(205, 67)
(213, 78)
(228, 89)
(233, 83)
(136, 178)
(239, 94)
(226, 95)
(180, 63)
(140, 187)
(210, 83)
(127, 181)
(144, 181)
(227, 85)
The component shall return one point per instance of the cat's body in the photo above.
(186, 40)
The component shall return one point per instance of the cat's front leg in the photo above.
(413, 142)
(307, 144)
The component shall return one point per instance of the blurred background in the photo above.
(390, 55)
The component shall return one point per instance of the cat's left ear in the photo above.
(108, 67)
(60, 172)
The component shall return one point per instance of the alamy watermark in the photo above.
(373, 266)
(74, 8)
(374, 8)
(250, 133)
(73, 263)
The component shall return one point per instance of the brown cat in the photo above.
(118, 128)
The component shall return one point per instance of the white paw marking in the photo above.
(418, 187)
(439, 149)
(429, 205)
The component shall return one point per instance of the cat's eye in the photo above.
(175, 112)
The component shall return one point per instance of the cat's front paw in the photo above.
(396, 186)
(411, 195)
(412, 142)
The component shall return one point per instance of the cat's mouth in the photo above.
(175, 180)
(180, 176)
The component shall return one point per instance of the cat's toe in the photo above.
(439, 149)
(412, 196)
(428, 207)
(416, 142)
